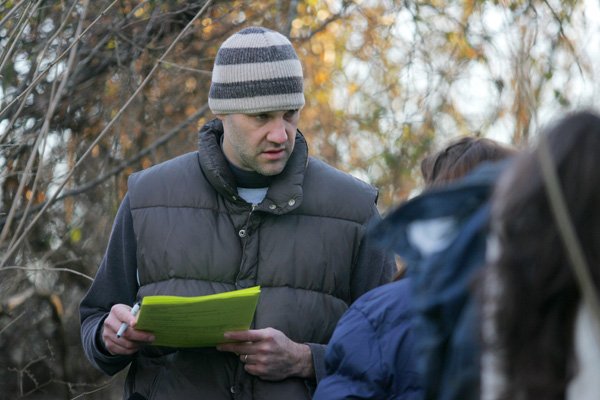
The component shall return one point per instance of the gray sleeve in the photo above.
(115, 283)
(318, 358)
(374, 266)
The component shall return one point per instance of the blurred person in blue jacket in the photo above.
(541, 329)
(373, 353)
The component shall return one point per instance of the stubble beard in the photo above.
(270, 168)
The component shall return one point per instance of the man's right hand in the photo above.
(131, 340)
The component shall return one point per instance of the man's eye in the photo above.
(290, 114)
(261, 117)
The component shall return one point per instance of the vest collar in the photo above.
(285, 193)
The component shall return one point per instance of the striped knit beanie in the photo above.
(256, 70)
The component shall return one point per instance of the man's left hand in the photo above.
(270, 354)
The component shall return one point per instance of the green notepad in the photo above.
(199, 321)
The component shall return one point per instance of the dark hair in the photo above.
(538, 296)
(460, 157)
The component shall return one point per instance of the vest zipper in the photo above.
(244, 231)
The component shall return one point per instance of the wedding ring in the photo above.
(245, 358)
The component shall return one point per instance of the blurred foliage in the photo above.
(88, 95)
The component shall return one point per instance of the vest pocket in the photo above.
(144, 377)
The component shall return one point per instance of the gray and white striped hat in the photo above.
(256, 70)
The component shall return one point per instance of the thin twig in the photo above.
(17, 202)
(104, 386)
(10, 13)
(121, 166)
(69, 270)
(17, 34)
(28, 89)
(38, 173)
(200, 71)
(102, 42)
(43, 135)
(55, 99)
(564, 36)
(292, 13)
(12, 322)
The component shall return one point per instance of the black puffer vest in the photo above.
(195, 236)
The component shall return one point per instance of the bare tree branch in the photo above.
(103, 386)
(161, 141)
(564, 36)
(17, 33)
(292, 13)
(55, 99)
(11, 249)
(184, 68)
(11, 12)
(69, 270)
(39, 77)
(12, 322)
(35, 70)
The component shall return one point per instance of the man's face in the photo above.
(260, 142)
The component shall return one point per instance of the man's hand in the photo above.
(131, 339)
(269, 354)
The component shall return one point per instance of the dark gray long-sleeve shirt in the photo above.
(115, 283)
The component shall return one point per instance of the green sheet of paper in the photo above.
(197, 321)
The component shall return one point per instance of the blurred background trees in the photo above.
(94, 90)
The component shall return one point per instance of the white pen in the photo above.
(124, 325)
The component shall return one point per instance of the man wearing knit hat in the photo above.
(250, 207)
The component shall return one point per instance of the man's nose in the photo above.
(277, 132)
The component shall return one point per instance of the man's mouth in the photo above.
(274, 154)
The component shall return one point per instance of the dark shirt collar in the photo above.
(249, 179)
